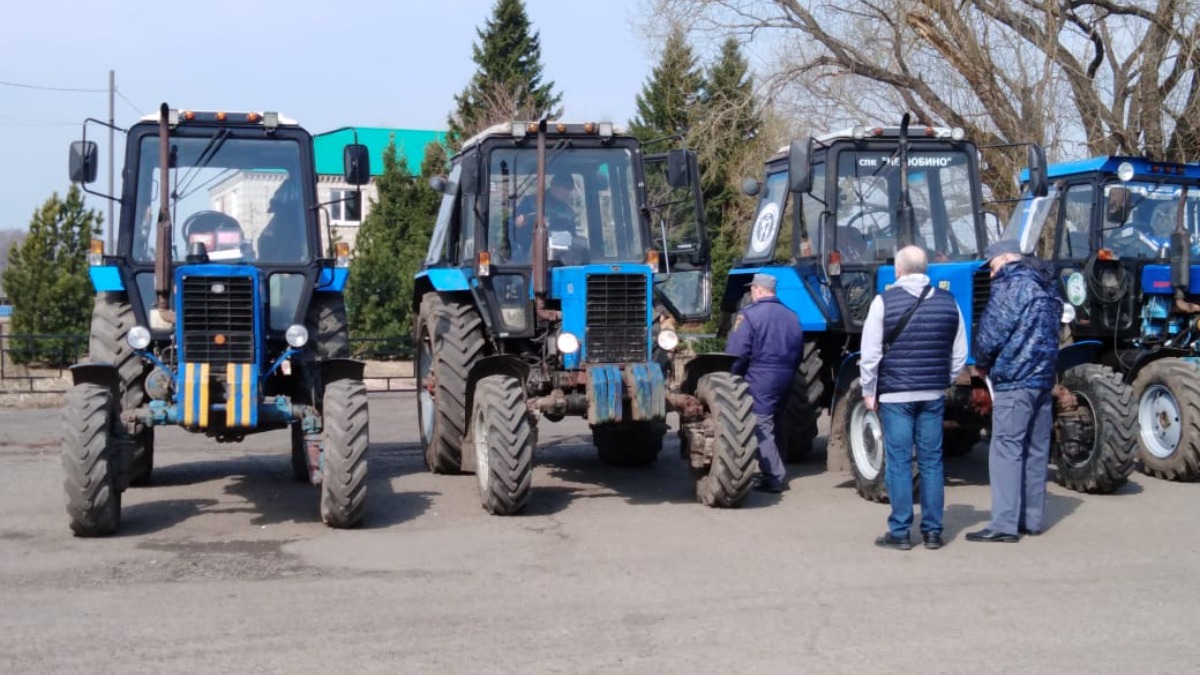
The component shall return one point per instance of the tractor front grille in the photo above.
(617, 328)
(218, 319)
(981, 291)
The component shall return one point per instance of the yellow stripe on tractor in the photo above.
(195, 395)
(238, 409)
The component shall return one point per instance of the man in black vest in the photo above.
(768, 341)
(913, 347)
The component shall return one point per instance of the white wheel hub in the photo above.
(1160, 421)
(866, 441)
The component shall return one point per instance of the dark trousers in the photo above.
(1018, 458)
(769, 460)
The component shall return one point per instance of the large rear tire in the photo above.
(449, 341)
(344, 453)
(727, 404)
(1168, 399)
(1093, 444)
(798, 423)
(503, 440)
(629, 444)
(327, 324)
(112, 317)
(91, 462)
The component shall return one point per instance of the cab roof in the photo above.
(519, 129)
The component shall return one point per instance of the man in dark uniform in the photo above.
(768, 341)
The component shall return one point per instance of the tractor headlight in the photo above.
(296, 336)
(1125, 172)
(567, 343)
(1068, 314)
(668, 339)
(138, 337)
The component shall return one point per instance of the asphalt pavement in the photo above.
(223, 566)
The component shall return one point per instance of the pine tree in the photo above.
(726, 127)
(508, 82)
(47, 280)
(674, 86)
(391, 245)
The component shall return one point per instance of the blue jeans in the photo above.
(905, 425)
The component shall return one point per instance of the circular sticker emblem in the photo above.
(762, 238)
(1076, 289)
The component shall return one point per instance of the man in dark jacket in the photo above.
(905, 368)
(768, 341)
(1016, 343)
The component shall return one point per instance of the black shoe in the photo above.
(934, 541)
(770, 486)
(989, 536)
(1028, 532)
(898, 543)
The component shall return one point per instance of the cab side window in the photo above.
(1076, 219)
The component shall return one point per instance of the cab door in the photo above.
(677, 229)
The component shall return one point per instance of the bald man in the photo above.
(913, 346)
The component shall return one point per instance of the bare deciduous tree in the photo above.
(1079, 76)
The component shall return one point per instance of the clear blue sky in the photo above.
(326, 64)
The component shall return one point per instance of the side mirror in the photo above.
(437, 184)
(750, 187)
(356, 164)
(1039, 184)
(1119, 207)
(83, 164)
(678, 172)
(799, 170)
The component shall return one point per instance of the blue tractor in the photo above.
(559, 263)
(217, 312)
(1121, 232)
(832, 212)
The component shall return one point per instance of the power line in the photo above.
(48, 88)
(131, 104)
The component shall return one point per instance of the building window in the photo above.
(346, 207)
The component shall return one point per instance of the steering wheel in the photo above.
(200, 217)
(871, 210)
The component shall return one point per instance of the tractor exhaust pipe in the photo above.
(162, 246)
(540, 236)
(905, 217)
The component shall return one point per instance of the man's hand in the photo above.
(869, 402)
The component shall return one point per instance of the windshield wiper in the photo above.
(206, 155)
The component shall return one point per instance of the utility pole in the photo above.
(111, 246)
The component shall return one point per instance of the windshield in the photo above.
(942, 188)
(242, 198)
(1153, 212)
(591, 206)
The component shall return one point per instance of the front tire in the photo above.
(344, 453)
(859, 433)
(727, 404)
(629, 444)
(1168, 398)
(90, 461)
(1093, 443)
(503, 440)
(449, 341)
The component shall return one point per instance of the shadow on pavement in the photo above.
(151, 517)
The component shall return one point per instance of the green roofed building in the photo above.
(345, 216)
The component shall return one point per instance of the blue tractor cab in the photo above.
(220, 311)
(1122, 234)
(561, 259)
